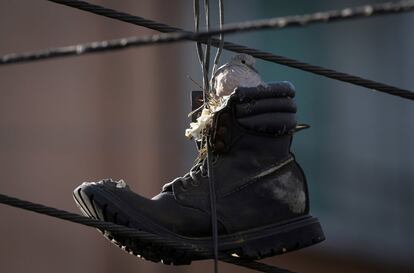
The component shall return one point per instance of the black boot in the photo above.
(261, 191)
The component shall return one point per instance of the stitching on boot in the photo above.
(262, 173)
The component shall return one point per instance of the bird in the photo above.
(238, 72)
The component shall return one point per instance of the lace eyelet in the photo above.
(195, 183)
(183, 184)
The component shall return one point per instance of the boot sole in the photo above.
(255, 244)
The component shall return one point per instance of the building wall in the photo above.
(71, 120)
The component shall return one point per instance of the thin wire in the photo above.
(213, 206)
(124, 43)
(221, 38)
(133, 233)
(212, 190)
(206, 84)
(196, 5)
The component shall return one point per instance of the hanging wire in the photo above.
(221, 38)
(207, 52)
(212, 190)
(213, 206)
(200, 54)
(134, 233)
(204, 58)
(385, 8)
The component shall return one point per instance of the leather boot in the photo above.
(261, 191)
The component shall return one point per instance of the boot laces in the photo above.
(205, 168)
(199, 169)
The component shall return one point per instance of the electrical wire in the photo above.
(221, 38)
(206, 83)
(134, 41)
(274, 23)
(211, 180)
(200, 54)
(133, 233)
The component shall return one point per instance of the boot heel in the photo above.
(281, 239)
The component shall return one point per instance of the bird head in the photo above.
(245, 60)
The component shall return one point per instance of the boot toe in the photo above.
(113, 201)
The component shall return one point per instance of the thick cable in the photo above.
(124, 43)
(275, 23)
(133, 233)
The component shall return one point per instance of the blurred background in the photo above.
(123, 115)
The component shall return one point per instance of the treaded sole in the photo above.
(252, 244)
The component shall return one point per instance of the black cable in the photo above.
(117, 15)
(272, 23)
(206, 71)
(211, 180)
(128, 42)
(130, 232)
(199, 46)
(213, 205)
(221, 38)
